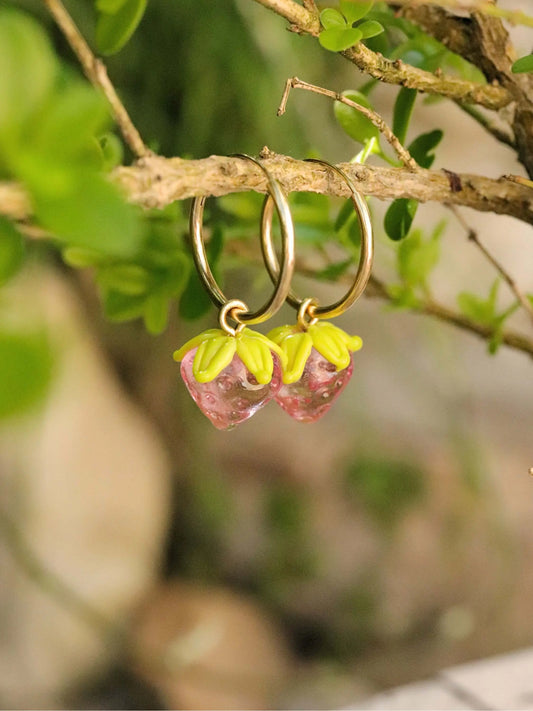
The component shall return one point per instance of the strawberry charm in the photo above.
(231, 377)
(318, 354)
(318, 367)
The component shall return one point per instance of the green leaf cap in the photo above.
(330, 341)
(216, 349)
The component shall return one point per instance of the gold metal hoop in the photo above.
(283, 273)
(365, 260)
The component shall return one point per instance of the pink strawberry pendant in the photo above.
(318, 367)
(230, 377)
(308, 399)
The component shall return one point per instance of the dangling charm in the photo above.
(232, 372)
(318, 365)
(318, 354)
(231, 376)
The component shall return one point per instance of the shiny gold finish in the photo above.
(365, 260)
(306, 313)
(283, 275)
(232, 309)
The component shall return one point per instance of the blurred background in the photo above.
(150, 561)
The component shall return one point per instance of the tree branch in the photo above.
(97, 74)
(154, 182)
(396, 72)
(484, 41)
(514, 17)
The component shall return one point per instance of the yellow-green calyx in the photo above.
(216, 349)
(296, 343)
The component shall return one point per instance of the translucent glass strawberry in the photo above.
(318, 367)
(230, 377)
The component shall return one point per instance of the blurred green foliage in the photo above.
(26, 362)
(386, 489)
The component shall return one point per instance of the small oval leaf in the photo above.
(403, 108)
(354, 10)
(332, 18)
(109, 6)
(370, 28)
(352, 121)
(524, 64)
(338, 39)
(399, 218)
(423, 146)
(114, 30)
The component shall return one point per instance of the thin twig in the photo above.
(429, 307)
(499, 133)
(519, 180)
(403, 154)
(396, 71)
(96, 72)
(474, 237)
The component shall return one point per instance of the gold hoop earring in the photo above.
(232, 372)
(318, 354)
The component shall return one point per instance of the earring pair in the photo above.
(233, 371)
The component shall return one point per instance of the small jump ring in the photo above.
(365, 260)
(283, 274)
(306, 312)
(232, 309)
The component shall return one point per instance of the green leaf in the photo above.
(370, 28)
(421, 148)
(114, 30)
(332, 18)
(479, 309)
(496, 341)
(65, 130)
(334, 271)
(121, 307)
(524, 64)
(89, 212)
(337, 39)
(195, 301)
(417, 257)
(28, 69)
(80, 258)
(12, 250)
(345, 213)
(403, 296)
(128, 279)
(354, 10)
(399, 218)
(156, 313)
(26, 364)
(352, 121)
(112, 151)
(109, 6)
(403, 108)
(173, 280)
